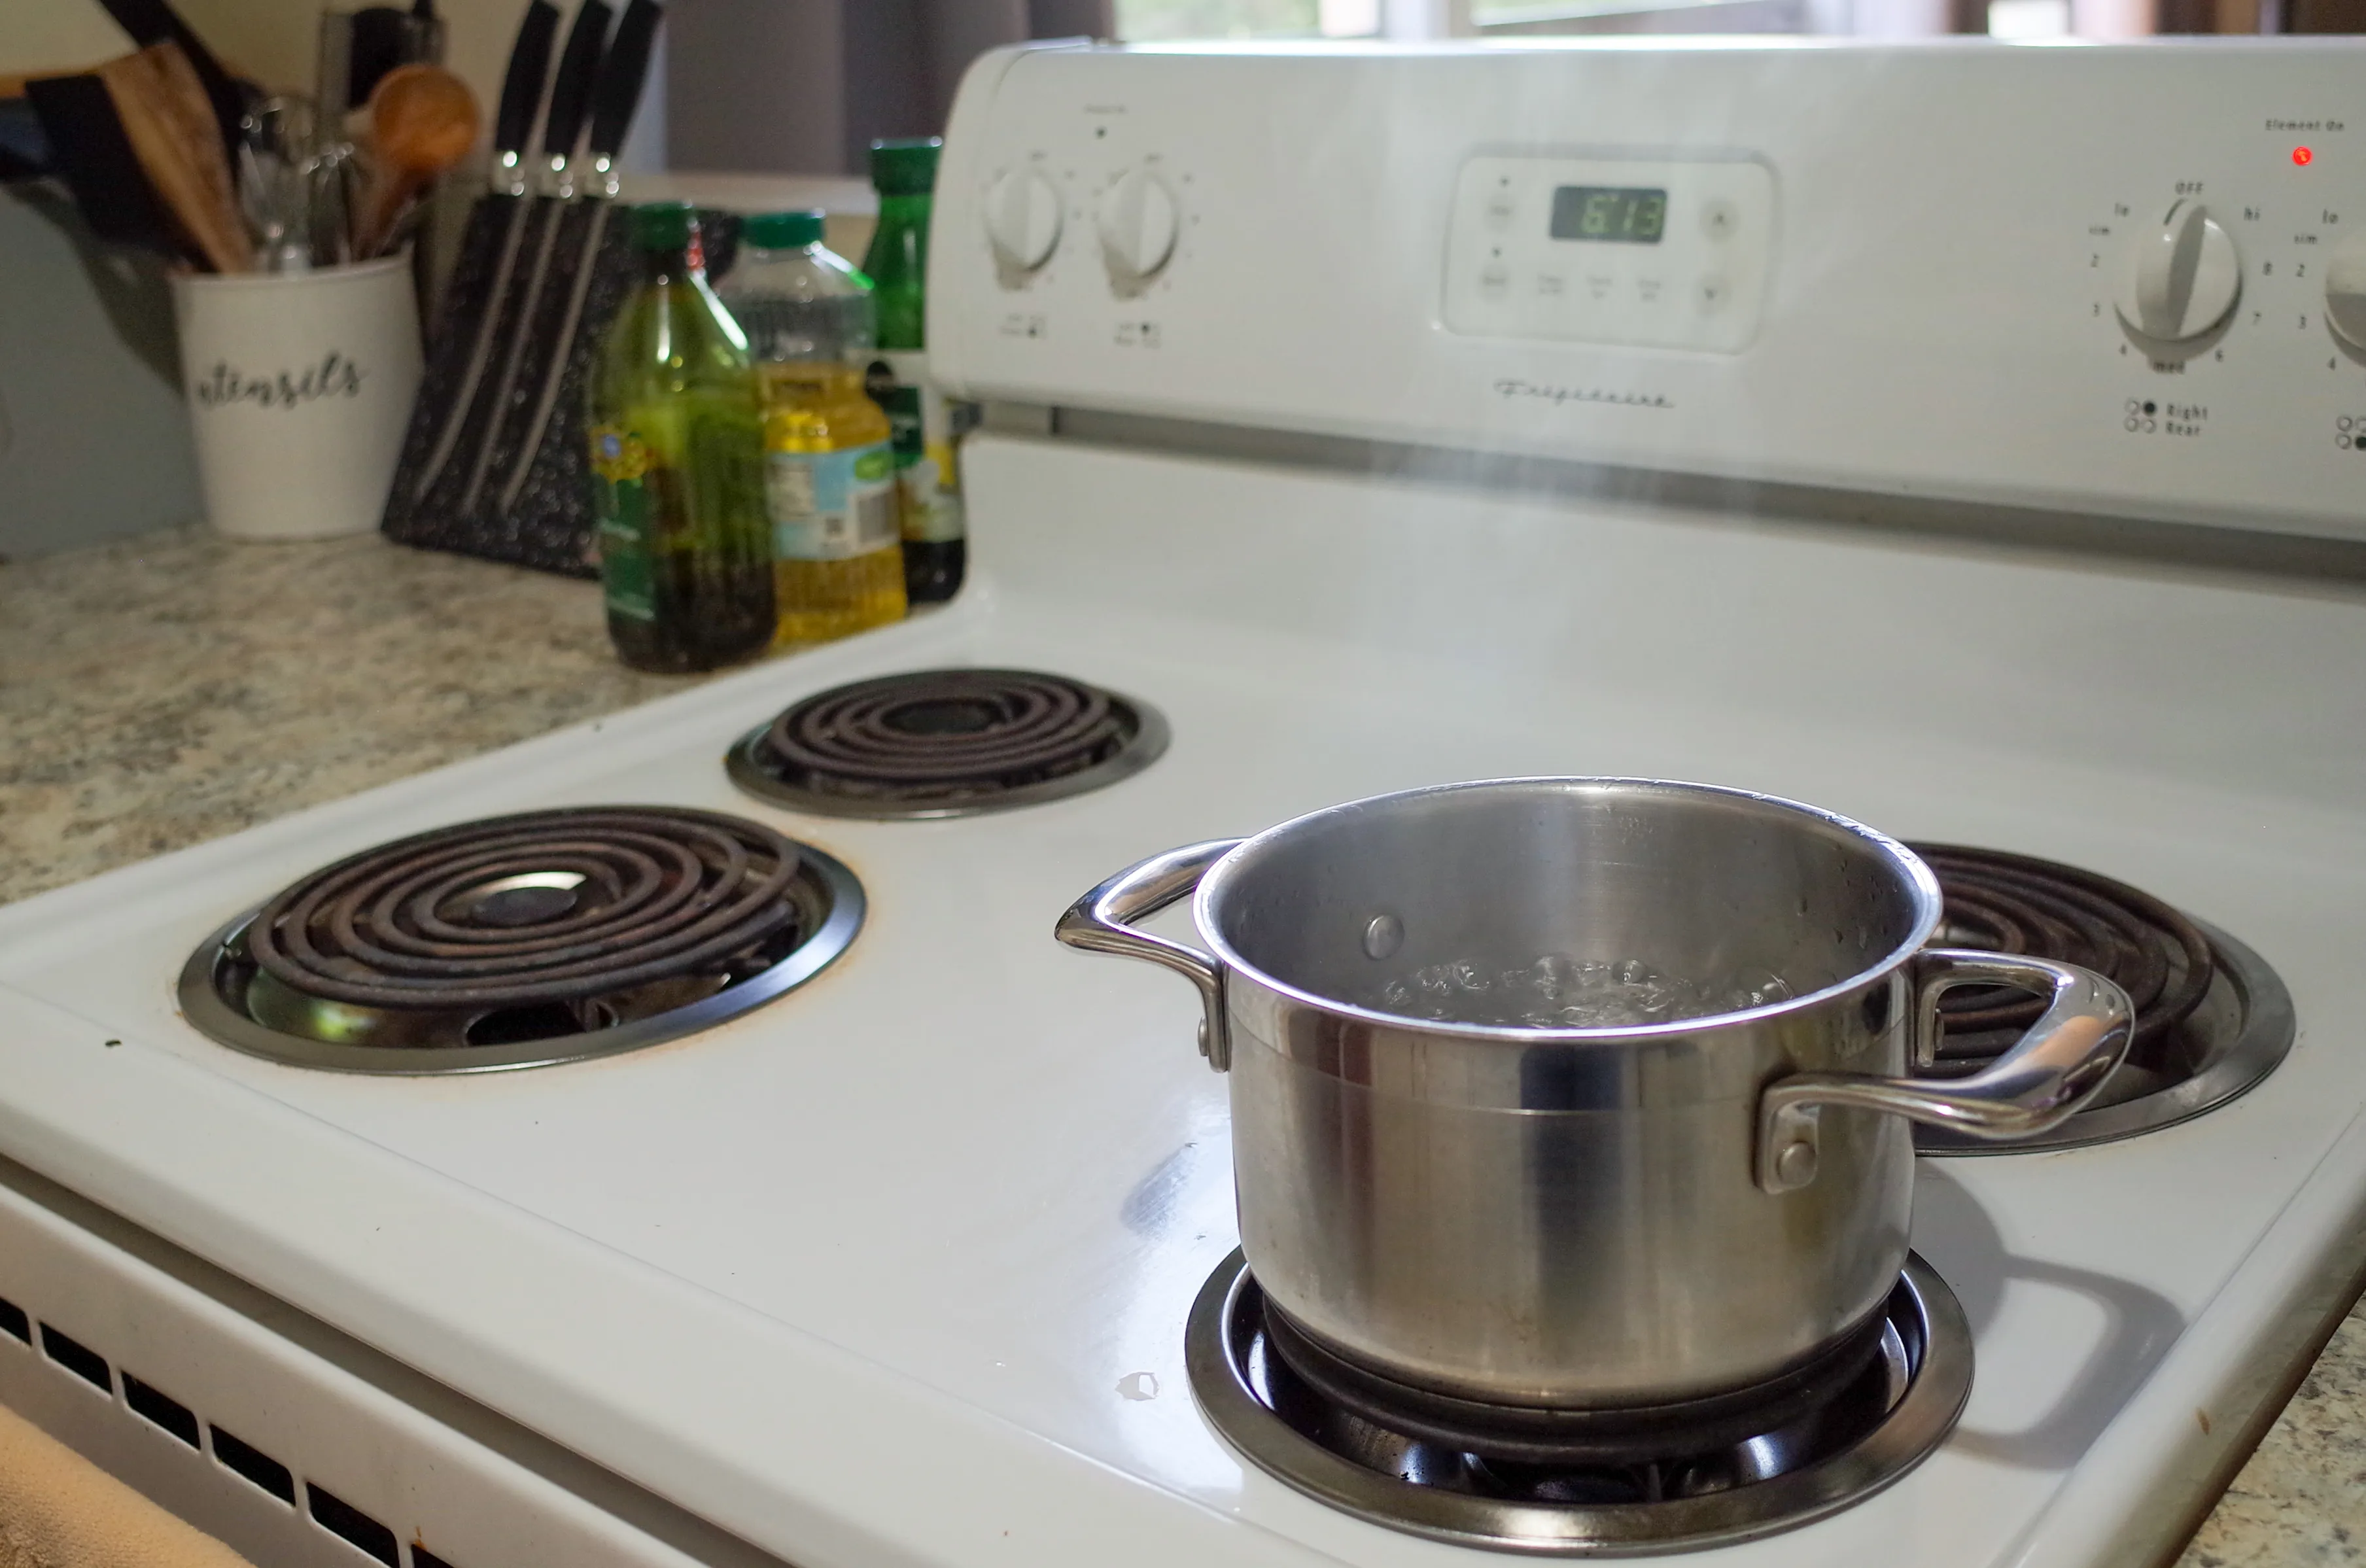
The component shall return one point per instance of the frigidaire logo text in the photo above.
(335, 376)
(1512, 387)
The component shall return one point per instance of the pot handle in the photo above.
(2048, 1073)
(1100, 922)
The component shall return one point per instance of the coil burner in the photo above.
(1584, 1482)
(2212, 1018)
(946, 743)
(521, 941)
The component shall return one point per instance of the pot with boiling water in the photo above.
(1585, 1092)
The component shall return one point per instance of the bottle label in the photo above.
(927, 431)
(620, 463)
(831, 505)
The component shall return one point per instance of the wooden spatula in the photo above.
(170, 125)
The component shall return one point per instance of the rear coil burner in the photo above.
(521, 941)
(1879, 1409)
(2211, 1018)
(947, 742)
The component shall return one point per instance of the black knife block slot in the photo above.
(549, 527)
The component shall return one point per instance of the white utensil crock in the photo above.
(300, 387)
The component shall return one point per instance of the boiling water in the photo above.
(1556, 992)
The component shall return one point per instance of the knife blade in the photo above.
(521, 87)
(571, 90)
(614, 105)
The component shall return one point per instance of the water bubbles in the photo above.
(1557, 992)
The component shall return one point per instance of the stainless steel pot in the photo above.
(1525, 1211)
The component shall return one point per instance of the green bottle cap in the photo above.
(905, 168)
(783, 231)
(663, 225)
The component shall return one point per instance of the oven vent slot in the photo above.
(80, 1360)
(346, 1522)
(161, 1409)
(414, 1472)
(256, 1466)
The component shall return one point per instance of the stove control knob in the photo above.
(1022, 219)
(1138, 224)
(2183, 277)
(2345, 291)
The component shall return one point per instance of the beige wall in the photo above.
(274, 40)
(271, 40)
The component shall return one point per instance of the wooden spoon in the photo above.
(423, 122)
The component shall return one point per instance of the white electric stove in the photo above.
(1851, 432)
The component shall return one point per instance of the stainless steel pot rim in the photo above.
(1929, 910)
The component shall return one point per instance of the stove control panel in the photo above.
(2117, 280)
(1665, 253)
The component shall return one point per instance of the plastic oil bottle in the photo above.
(829, 468)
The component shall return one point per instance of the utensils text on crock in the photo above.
(521, 99)
(423, 122)
(1586, 1216)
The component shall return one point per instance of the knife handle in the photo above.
(522, 85)
(621, 78)
(570, 90)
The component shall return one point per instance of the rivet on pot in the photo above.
(1795, 1166)
(1384, 936)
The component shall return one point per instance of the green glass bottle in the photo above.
(927, 428)
(677, 464)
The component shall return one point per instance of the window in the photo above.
(1162, 21)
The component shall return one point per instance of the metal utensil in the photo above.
(615, 101)
(570, 97)
(521, 99)
(1607, 1208)
(275, 140)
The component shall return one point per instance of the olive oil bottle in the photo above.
(678, 488)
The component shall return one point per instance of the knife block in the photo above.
(550, 526)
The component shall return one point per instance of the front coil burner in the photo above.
(2211, 1018)
(1601, 1483)
(523, 941)
(946, 743)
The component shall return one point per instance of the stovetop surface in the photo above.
(983, 1164)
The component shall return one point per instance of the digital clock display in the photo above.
(1628, 215)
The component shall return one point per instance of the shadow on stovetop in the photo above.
(1955, 1234)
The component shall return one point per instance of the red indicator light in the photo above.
(2302, 156)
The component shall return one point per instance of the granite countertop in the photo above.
(179, 686)
(173, 688)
